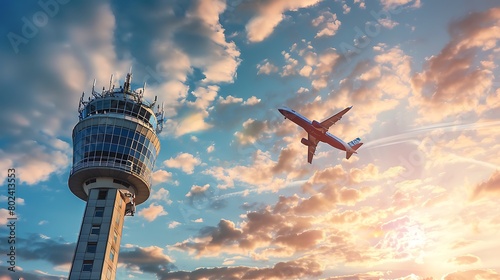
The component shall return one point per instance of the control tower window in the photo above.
(99, 212)
(91, 247)
(95, 229)
(87, 265)
(102, 194)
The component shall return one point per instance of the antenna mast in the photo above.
(126, 85)
(110, 82)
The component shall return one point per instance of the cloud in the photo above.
(281, 230)
(173, 224)
(296, 269)
(4, 215)
(35, 162)
(146, 259)
(193, 122)
(388, 23)
(161, 195)
(184, 161)
(290, 67)
(346, 9)
(464, 260)
(252, 130)
(448, 85)
(197, 190)
(230, 100)
(204, 97)
(327, 62)
(484, 274)
(491, 186)
(259, 173)
(38, 247)
(269, 14)
(211, 148)
(301, 241)
(5, 274)
(161, 176)
(328, 24)
(152, 212)
(362, 276)
(266, 67)
(393, 4)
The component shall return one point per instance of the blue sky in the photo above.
(233, 195)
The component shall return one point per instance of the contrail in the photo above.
(409, 136)
(447, 127)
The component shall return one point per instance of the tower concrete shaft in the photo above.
(115, 145)
(98, 246)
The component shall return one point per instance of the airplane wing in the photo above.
(311, 149)
(333, 119)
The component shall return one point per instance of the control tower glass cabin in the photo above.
(115, 145)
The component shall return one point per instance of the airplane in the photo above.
(318, 132)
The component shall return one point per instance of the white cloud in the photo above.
(388, 23)
(251, 101)
(184, 161)
(195, 190)
(328, 24)
(4, 214)
(173, 224)
(346, 9)
(290, 67)
(161, 176)
(230, 100)
(204, 97)
(211, 148)
(266, 68)
(193, 122)
(392, 4)
(162, 195)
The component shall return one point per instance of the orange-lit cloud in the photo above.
(152, 212)
(269, 14)
(448, 86)
(491, 186)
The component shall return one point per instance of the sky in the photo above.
(233, 195)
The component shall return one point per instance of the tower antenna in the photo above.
(110, 82)
(93, 86)
(80, 106)
(94, 93)
(126, 85)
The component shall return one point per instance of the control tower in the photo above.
(115, 145)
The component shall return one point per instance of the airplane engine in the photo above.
(316, 124)
(306, 142)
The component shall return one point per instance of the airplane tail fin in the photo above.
(354, 145)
